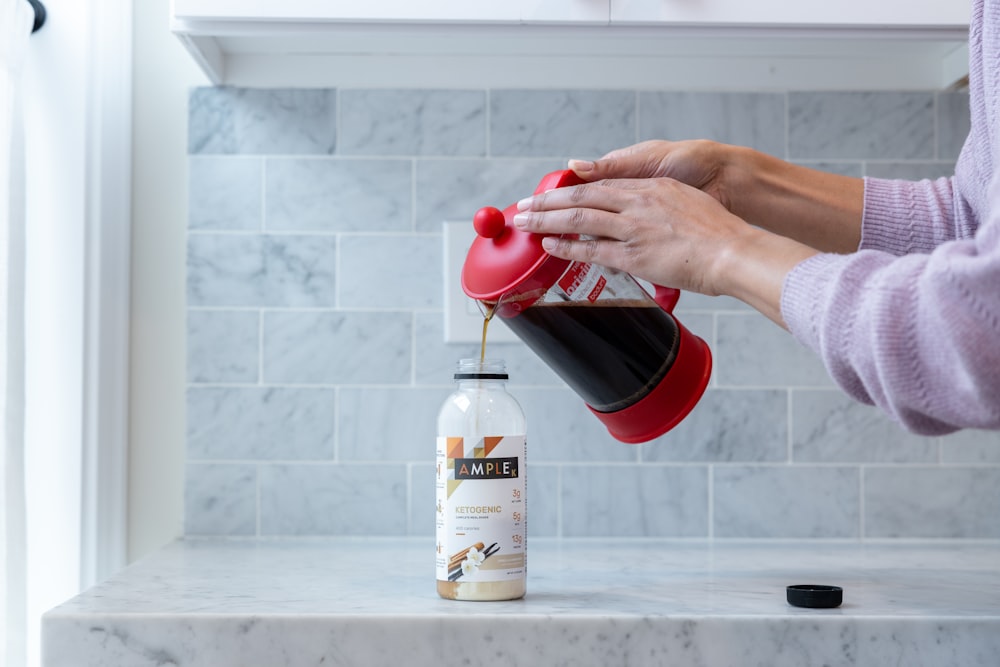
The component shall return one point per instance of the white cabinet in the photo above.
(838, 14)
(394, 11)
(593, 12)
(686, 44)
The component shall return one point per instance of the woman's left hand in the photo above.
(666, 232)
(654, 228)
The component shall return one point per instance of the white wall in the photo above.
(162, 75)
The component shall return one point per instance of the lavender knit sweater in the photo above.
(911, 321)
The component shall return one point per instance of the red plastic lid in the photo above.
(505, 259)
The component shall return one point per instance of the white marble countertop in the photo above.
(372, 601)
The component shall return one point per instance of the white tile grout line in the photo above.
(260, 347)
(559, 502)
(336, 121)
(409, 498)
(262, 226)
(488, 144)
(935, 110)
(260, 312)
(861, 501)
(413, 195)
(257, 471)
(790, 425)
(337, 282)
(638, 117)
(413, 349)
(336, 424)
(788, 125)
(711, 501)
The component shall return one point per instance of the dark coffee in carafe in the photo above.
(610, 352)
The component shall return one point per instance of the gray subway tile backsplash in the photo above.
(261, 270)
(220, 499)
(333, 499)
(863, 125)
(260, 423)
(971, 447)
(757, 120)
(332, 347)
(223, 346)
(953, 124)
(562, 429)
(752, 352)
(225, 194)
(245, 121)
(315, 354)
(413, 122)
(786, 502)
(634, 501)
(388, 423)
(830, 427)
(455, 189)
(728, 425)
(338, 195)
(932, 502)
(408, 274)
(555, 123)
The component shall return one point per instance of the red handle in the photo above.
(666, 297)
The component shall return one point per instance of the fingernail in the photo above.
(549, 243)
(581, 165)
(524, 204)
(520, 220)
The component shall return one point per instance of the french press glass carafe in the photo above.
(638, 369)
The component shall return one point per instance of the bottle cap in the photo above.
(814, 596)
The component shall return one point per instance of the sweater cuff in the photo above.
(805, 297)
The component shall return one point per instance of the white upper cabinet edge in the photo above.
(792, 13)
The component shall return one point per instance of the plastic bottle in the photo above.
(481, 484)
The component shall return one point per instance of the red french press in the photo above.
(638, 369)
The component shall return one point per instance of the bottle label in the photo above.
(481, 503)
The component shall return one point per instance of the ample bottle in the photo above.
(481, 485)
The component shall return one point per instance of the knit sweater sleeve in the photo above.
(903, 217)
(914, 334)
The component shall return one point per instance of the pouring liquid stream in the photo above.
(488, 312)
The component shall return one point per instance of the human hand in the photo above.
(658, 229)
(666, 232)
(699, 163)
(816, 208)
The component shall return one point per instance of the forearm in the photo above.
(754, 267)
(816, 208)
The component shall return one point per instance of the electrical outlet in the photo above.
(463, 321)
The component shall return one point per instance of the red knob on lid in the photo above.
(489, 222)
(505, 259)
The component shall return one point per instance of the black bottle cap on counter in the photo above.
(815, 596)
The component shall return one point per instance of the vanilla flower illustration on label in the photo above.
(475, 558)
